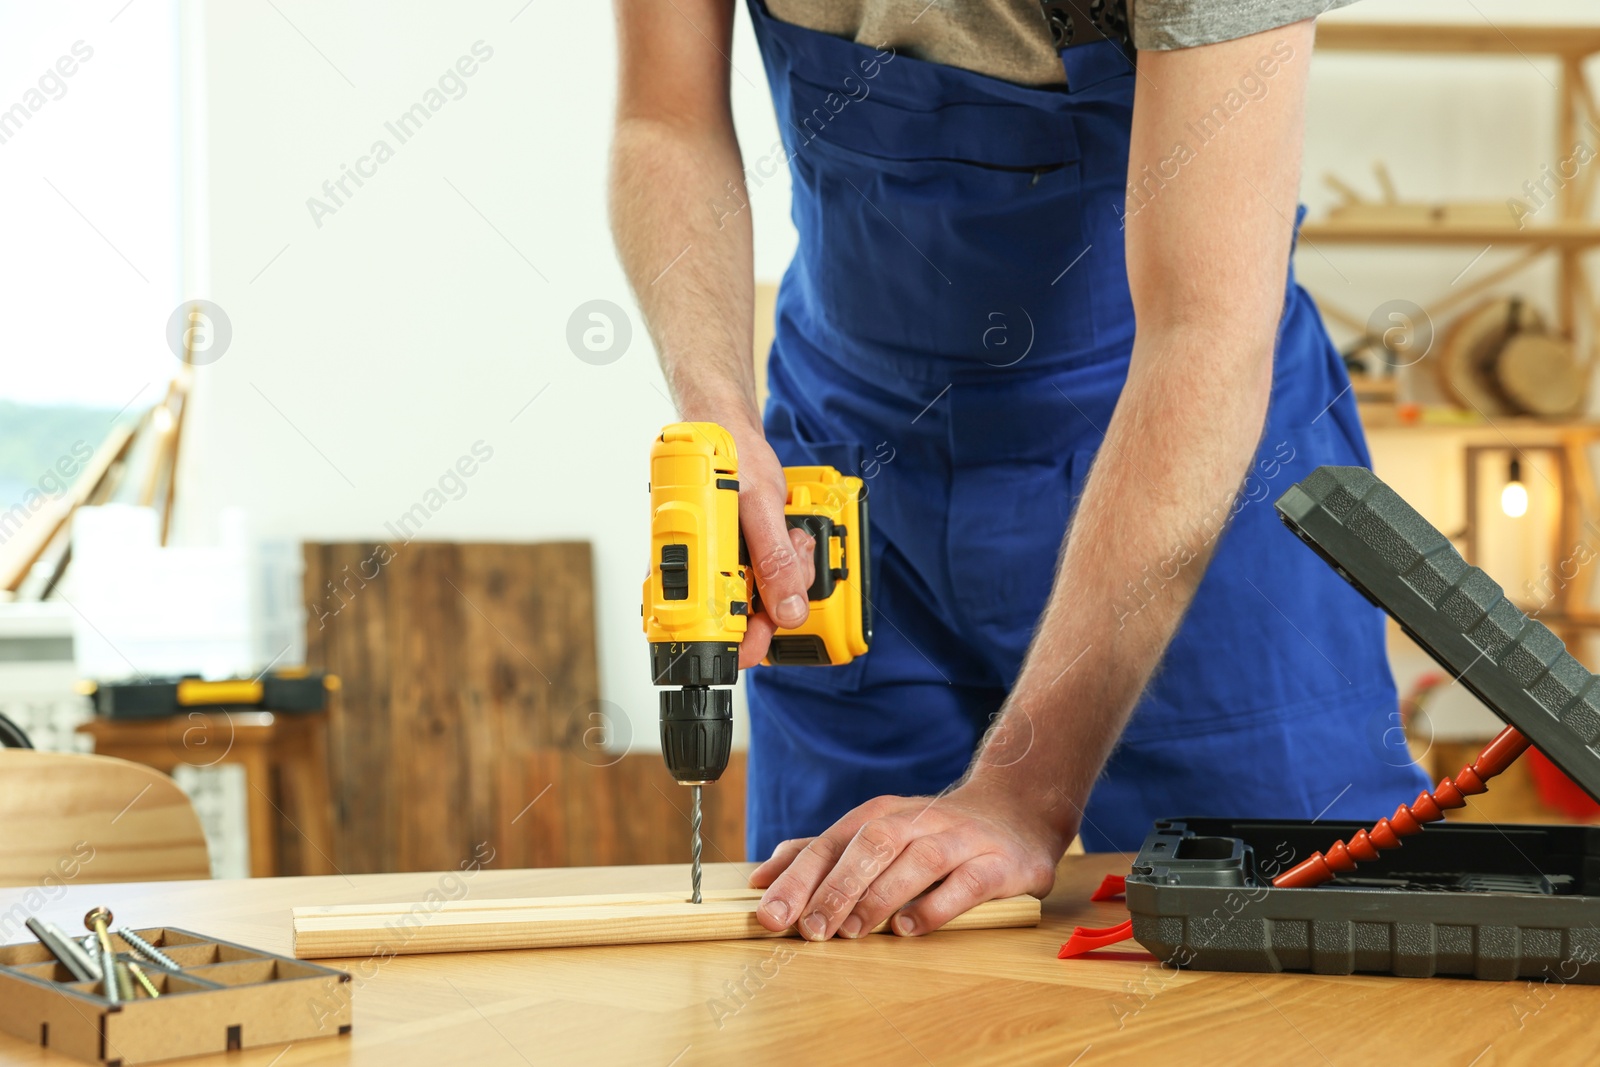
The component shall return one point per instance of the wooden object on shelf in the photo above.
(291, 745)
(227, 997)
(1472, 214)
(69, 817)
(1373, 390)
(1472, 344)
(1356, 210)
(569, 921)
(1540, 374)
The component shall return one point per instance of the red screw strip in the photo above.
(1088, 939)
(1112, 886)
(1407, 819)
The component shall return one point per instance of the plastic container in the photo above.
(1492, 902)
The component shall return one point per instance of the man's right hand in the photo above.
(780, 558)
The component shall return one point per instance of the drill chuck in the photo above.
(696, 732)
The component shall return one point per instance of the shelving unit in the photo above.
(1567, 237)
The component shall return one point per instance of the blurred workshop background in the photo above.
(364, 430)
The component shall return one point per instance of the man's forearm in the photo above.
(1206, 266)
(682, 226)
(1174, 456)
(683, 233)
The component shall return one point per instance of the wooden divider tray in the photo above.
(226, 997)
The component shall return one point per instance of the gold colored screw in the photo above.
(97, 920)
(143, 979)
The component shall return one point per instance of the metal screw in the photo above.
(65, 950)
(143, 979)
(147, 950)
(96, 920)
(88, 951)
(125, 987)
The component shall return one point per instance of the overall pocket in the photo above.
(916, 227)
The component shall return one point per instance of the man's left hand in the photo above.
(978, 840)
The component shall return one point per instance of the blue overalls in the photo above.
(955, 328)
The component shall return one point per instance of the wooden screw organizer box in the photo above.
(226, 997)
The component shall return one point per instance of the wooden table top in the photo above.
(993, 996)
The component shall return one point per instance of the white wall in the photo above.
(375, 350)
(370, 353)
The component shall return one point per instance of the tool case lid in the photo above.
(1455, 611)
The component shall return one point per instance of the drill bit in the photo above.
(694, 846)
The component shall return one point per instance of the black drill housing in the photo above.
(696, 732)
(696, 720)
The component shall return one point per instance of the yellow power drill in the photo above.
(701, 592)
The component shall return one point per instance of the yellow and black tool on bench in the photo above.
(701, 590)
(289, 690)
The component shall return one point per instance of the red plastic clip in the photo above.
(1111, 887)
(1087, 939)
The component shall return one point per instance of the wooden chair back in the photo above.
(67, 818)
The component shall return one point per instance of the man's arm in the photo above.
(1207, 258)
(684, 236)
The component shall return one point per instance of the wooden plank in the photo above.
(347, 633)
(469, 725)
(563, 809)
(569, 921)
(430, 764)
(459, 663)
(338, 913)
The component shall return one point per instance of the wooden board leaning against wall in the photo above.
(469, 724)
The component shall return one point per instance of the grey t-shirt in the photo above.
(1010, 39)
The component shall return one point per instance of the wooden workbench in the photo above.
(996, 996)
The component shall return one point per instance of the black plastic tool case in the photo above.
(1496, 902)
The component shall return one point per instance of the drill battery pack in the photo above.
(1450, 898)
(832, 508)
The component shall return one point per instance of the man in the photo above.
(1034, 284)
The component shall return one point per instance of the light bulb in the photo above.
(1514, 497)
